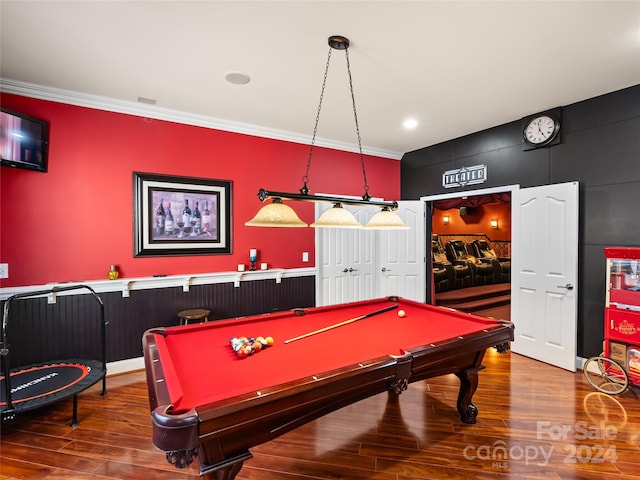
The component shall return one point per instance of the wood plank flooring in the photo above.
(535, 421)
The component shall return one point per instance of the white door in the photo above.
(401, 258)
(544, 273)
(345, 259)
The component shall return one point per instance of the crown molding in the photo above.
(151, 111)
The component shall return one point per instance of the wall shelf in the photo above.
(127, 285)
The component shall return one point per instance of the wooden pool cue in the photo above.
(341, 324)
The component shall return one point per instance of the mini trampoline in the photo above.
(34, 386)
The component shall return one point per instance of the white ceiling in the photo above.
(456, 67)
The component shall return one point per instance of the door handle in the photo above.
(386, 269)
(568, 286)
(353, 270)
(345, 270)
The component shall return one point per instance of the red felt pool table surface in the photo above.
(200, 366)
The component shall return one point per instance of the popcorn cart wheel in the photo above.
(606, 375)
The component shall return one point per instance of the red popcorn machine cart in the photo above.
(619, 365)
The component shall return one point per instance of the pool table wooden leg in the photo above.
(181, 458)
(468, 385)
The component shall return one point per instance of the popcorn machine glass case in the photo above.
(622, 309)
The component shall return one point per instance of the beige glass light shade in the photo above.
(276, 214)
(386, 220)
(336, 217)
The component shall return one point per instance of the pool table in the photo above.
(209, 404)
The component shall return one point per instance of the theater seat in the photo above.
(443, 273)
(462, 271)
(483, 273)
(483, 250)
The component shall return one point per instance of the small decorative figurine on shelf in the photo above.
(253, 256)
(113, 272)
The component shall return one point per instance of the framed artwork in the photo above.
(180, 215)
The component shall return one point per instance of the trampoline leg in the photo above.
(74, 420)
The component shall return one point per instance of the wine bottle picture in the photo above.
(160, 219)
(186, 217)
(168, 221)
(197, 220)
(206, 218)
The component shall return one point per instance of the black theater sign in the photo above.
(464, 176)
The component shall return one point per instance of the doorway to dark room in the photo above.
(471, 253)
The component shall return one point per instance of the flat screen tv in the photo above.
(24, 141)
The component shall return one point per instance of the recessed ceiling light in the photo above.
(410, 123)
(237, 78)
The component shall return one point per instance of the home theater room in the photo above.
(318, 239)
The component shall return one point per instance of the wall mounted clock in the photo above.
(541, 129)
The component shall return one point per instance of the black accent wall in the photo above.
(600, 149)
(70, 328)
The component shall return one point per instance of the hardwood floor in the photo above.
(535, 421)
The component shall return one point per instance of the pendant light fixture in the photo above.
(336, 217)
(277, 214)
(386, 220)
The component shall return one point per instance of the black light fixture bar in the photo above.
(266, 194)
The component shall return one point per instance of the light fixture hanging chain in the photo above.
(305, 190)
(277, 214)
(366, 195)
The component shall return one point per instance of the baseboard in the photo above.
(125, 366)
(580, 362)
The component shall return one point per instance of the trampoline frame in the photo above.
(10, 410)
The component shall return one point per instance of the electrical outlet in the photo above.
(305, 256)
(4, 270)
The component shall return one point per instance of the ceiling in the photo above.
(455, 67)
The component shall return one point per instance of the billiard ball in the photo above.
(401, 313)
(269, 341)
(242, 353)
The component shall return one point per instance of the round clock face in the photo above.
(541, 130)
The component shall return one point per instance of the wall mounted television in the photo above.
(24, 141)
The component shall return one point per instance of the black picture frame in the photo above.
(189, 235)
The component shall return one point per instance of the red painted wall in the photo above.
(71, 223)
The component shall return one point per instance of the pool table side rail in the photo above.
(285, 314)
(172, 429)
(440, 358)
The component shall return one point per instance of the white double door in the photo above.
(360, 264)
